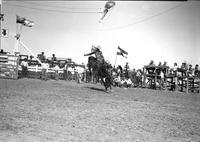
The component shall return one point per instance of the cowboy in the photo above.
(97, 52)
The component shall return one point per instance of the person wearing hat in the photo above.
(97, 52)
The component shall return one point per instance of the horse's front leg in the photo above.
(104, 83)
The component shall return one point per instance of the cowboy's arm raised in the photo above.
(89, 54)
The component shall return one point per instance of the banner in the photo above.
(24, 21)
(122, 51)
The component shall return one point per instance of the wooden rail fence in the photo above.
(9, 66)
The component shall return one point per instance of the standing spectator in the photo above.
(24, 65)
(56, 68)
(45, 67)
(196, 70)
(79, 73)
(66, 71)
(175, 73)
(126, 70)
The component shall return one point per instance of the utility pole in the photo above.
(1, 18)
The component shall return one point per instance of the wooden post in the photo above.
(17, 67)
(187, 85)
(115, 60)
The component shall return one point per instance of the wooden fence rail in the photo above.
(9, 66)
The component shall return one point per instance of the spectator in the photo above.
(152, 63)
(126, 70)
(174, 69)
(165, 63)
(31, 57)
(190, 70)
(79, 73)
(42, 57)
(56, 68)
(160, 63)
(128, 82)
(2, 52)
(184, 66)
(53, 58)
(24, 65)
(196, 70)
(45, 67)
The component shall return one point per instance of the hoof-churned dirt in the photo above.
(63, 111)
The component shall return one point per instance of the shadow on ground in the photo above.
(96, 89)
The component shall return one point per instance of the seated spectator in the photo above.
(41, 57)
(190, 71)
(174, 69)
(152, 63)
(184, 68)
(160, 64)
(128, 82)
(164, 69)
(158, 70)
(165, 63)
(151, 70)
(117, 81)
(53, 58)
(2, 52)
(31, 57)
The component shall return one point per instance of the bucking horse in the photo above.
(99, 68)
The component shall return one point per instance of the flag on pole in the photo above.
(122, 51)
(24, 21)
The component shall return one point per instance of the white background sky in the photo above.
(155, 30)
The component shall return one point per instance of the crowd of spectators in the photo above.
(122, 76)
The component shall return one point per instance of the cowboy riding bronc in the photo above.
(97, 52)
(99, 66)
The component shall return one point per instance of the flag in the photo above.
(122, 51)
(24, 21)
(20, 20)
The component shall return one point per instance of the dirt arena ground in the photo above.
(63, 111)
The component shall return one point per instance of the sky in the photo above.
(147, 30)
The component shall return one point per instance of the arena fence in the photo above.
(9, 66)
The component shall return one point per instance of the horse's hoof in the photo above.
(109, 91)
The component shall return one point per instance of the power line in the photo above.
(51, 10)
(144, 20)
(65, 7)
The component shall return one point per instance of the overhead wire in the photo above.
(52, 10)
(144, 19)
(65, 7)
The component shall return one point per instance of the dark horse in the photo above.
(100, 70)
